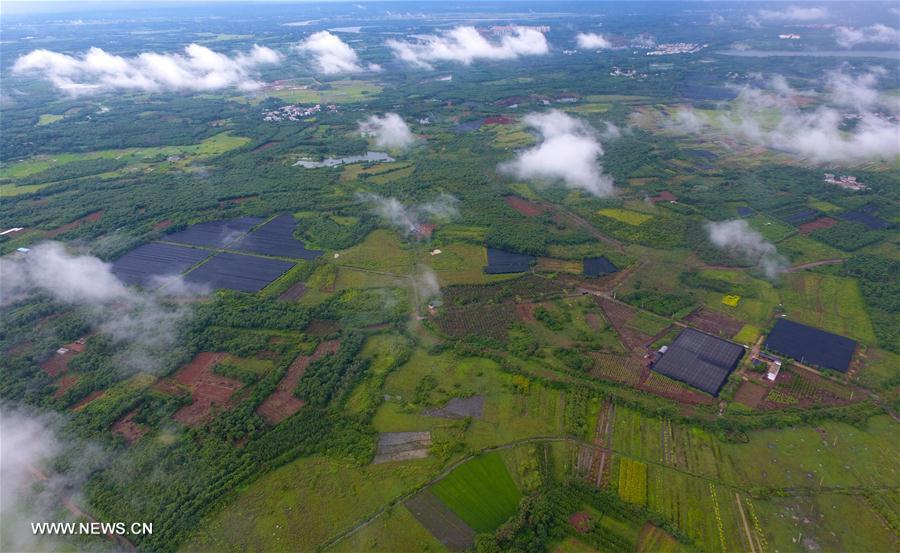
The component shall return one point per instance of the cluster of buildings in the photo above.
(294, 112)
(627, 73)
(847, 182)
(676, 48)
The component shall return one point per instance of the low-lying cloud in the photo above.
(848, 37)
(333, 56)
(592, 41)
(410, 218)
(737, 238)
(857, 123)
(198, 69)
(32, 491)
(795, 13)
(143, 324)
(390, 131)
(567, 153)
(466, 45)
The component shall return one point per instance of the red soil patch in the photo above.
(425, 230)
(664, 196)
(713, 322)
(283, 403)
(59, 363)
(750, 394)
(498, 120)
(618, 316)
(128, 429)
(64, 384)
(207, 388)
(294, 293)
(820, 223)
(525, 311)
(580, 521)
(87, 399)
(525, 207)
(265, 146)
(237, 201)
(164, 224)
(89, 218)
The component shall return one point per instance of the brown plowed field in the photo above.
(207, 388)
(59, 363)
(525, 207)
(64, 384)
(128, 429)
(618, 316)
(294, 293)
(750, 394)
(820, 223)
(713, 322)
(89, 218)
(283, 403)
(443, 523)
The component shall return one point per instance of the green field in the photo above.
(481, 492)
(828, 302)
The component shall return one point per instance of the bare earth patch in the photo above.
(128, 429)
(443, 523)
(283, 403)
(402, 446)
(458, 408)
(207, 388)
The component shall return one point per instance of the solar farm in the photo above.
(234, 254)
(700, 360)
(503, 262)
(810, 345)
(598, 266)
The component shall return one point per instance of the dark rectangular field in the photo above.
(801, 216)
(142, 264)
(244, 273)
(276, 238)
(744, 211)
(867, 216)
(503, 262)
(598, 266)
(811, 346)
(700, 360)
(214, 234)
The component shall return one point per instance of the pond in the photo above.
(335, 161)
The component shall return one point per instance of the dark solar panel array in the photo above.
(276, 238)
(744, 211)
(867, 217)
(503, 262)
(801, 216)
(810, 345)
(214, 234)
(142, 264)
(244, 273)
(598, 266)
(700, 360)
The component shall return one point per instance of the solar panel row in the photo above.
(214, 234)
(147, 262)
(276, 238)
(503, 262)
(700, 360)
(244, 273)
(598, 266)
(810, 345)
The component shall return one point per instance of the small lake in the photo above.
(335, 161)
(887, 54)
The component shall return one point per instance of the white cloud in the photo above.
(409, 218)
(466, 45)
(737, 238)
(143, 323)
(592, 41)
(390, 131)
(332, 55)
(848, 37)
(567, 153)
(716, 19)
(772, 117)
(644, 40)
(199, 68)
(795, 13)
